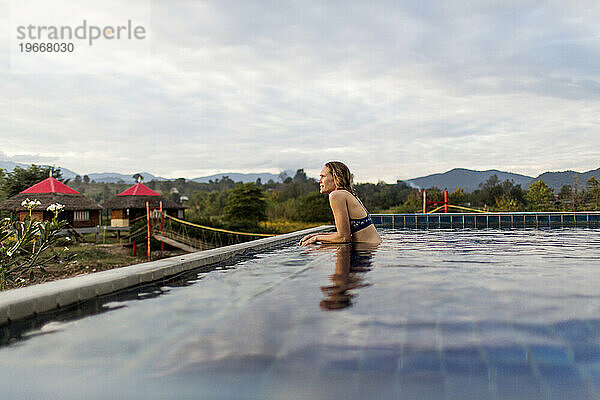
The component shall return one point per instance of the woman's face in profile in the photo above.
(326, 183)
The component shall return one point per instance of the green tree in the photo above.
(507, 203)
(106, 193)
(539, 197)
(138, 177)
(20, 179)
(314, 207)
(381, 197)
(245, 206)
(2, 194)
(457, 198)
(593, 188)
(565, 196)
(300, 176)
(413, 203)
(207, 204)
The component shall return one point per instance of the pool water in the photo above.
(428, 314)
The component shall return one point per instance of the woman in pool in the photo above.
(352, 221)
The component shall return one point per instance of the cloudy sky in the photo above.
(396, 89)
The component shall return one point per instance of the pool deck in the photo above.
(497, 220)
(16, 304)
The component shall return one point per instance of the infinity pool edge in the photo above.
(16, 304)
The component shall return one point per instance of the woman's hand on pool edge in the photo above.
(308, 239)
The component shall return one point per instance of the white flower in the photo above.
(56, 207)
(68, 239)
(31, 204)
(66, 248)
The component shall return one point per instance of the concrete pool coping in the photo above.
(24, 302)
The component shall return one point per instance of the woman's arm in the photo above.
(337, 201)
(310, 235)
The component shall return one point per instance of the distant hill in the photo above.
(469, 180)
(237, 177)
(10, 165)
(466, 179)
(115, 177)
(558, 179)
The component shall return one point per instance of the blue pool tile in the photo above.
(462, 353)
(433, 221)
(422, 386)
(564, 382)
(577, 332)
(469, 221)
(555, 220)
(509, 369)
(368, 383)
(547, 354)
(517, 382)
(347, 364)
(530, 220)
(468, 387)
(420, 362)
(586, 353)
(464, 361)
(569, 389)
(387, 221)
(381, 361)
(445, 221)
(558, 372)
(451, 328)
(506, 354)
(456, 221)
(518, 220)
(398, 221)
(543, 220)
(594, 220)
(481, 221)
(493, 221)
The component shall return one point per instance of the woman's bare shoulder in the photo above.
(339, 194)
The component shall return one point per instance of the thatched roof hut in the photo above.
(131, 204)
(79, 210)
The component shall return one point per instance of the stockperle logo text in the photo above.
(84, 31)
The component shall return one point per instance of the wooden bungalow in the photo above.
(131, 204)
(79, 211)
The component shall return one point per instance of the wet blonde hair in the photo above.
(341, 175)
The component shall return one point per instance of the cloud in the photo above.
(29, 158)
(395, 89)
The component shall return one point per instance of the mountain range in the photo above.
(469, 180)
(115, 177)
(466, 179)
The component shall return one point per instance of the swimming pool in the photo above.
(429, 314)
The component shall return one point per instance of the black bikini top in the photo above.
(360, 223)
